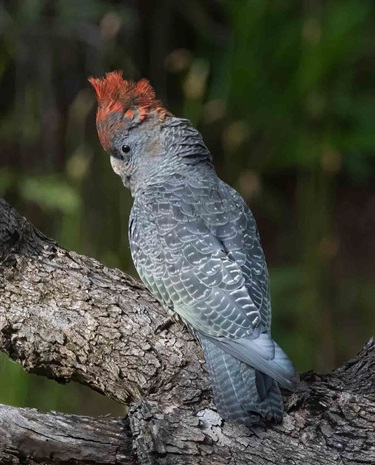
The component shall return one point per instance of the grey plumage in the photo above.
(196, 246)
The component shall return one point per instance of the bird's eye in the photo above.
(125, 148)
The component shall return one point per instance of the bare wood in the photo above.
(28, 434)
(68, 317)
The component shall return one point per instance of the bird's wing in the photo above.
(199, 253)
(240, 239)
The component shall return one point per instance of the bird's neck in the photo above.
(183, 151)
(182, 141)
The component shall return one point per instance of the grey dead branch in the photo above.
(68, 317)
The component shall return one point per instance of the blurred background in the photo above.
(284, 94)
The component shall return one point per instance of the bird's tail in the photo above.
(242, 393)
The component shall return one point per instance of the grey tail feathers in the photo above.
(263, 354)
(242, 393)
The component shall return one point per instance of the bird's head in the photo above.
(128, 121)
(143, 139)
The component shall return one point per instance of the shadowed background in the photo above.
(284, 94)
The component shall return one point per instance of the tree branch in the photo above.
(27, 434)
(70, 318)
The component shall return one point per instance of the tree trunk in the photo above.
(67, 317)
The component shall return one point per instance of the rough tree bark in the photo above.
(67, 317)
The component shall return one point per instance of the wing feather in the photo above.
(202, 258)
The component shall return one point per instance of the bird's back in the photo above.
(196, 246)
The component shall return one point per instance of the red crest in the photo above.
(122, 102)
